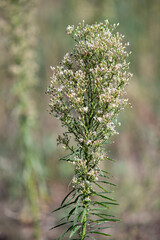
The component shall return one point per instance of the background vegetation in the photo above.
(32, 181)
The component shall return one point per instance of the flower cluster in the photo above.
(87, 94)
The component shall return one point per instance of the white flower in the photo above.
(89, 142)
(85, 109)
(100, 119)
(59, 89)
(81, 139)
(110, 59)
(52, 68)
(70, 29)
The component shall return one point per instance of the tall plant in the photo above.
(86, 95)
(21, 16)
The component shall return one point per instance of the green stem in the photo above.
(84, 224)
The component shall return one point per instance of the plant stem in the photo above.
(84, 224)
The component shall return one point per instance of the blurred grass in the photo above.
(136, 149)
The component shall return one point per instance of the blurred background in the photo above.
(32, 180)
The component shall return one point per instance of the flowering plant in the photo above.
(86, 94)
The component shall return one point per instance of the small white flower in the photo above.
(85, 109)
(100, 119)
(89, 142)
(59, 89)
(70, 29)
(52, 68)
(110, 59)
(81, 139)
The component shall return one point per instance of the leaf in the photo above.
(111, 203)
(100, 203)
(99, 228)
(70, 228)
(66, 205)
(67, 196)
(105, 172)
(105, 234)
(74, 231)
(72, 197)
(100, 223)
(103, 216)
(83, 215)
(102, 175)
(110, 159)
(70, 213)
(91, 237)
(103, 220)
(100, 195)
(106, 182)
(76, 212)
(79, 215)
(100, 187)
(97, 209)
(60, 225)
(61, 219)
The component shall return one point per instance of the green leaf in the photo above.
(61, 220)
(66, 205)
(62, 235)
(99, 203)
(110, 159)
(99, 228)
(60, 225)
(79, 215)
(76, 212)
(100, 195)
(105, 234)
(98, 209)
(72, 197)
(91, 237)
(83, 215)
(74, 231)
(70, 213)
(104, 219)
(107, 182)
(100, 187)
(100, 223)
(105, 172)
(102, 175)
(102, 214)
(67, 196)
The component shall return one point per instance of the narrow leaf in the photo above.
(101, 214)
(99, 223)
(67, 196)
(60, 225)
(70, 228)
(100, 203)
(99, 233)
(107, 182)
(70, 213)
(74, 231)
(99, 228)
(100, 187)
(91, 237)
(104, 196)
(83, 215)
(66, 205)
